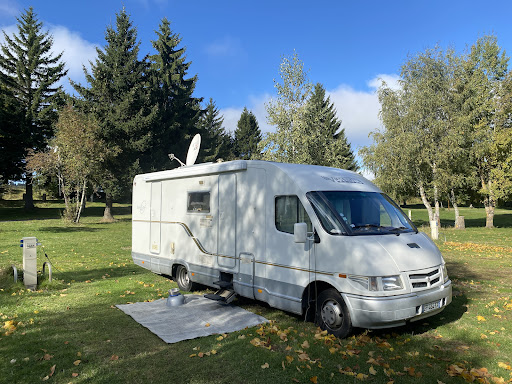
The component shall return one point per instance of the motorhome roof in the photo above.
(318, 178)
(307, 177)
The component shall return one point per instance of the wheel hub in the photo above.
(331, 314)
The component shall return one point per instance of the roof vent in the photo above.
(413, 245)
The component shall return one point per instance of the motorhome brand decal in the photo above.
(342, 179)
(205, 252)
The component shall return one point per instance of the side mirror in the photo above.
(300, 232)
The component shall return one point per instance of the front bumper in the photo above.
(394, 311)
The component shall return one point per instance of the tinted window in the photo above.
(198, 202)
(358, 213)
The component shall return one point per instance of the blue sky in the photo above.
(236, 46)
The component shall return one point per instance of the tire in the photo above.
(183, 280)
(332, 314)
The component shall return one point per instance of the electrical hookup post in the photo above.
(29, 245)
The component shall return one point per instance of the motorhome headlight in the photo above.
(378, 283)
(445, 273)
(361, 281)
(391, 283)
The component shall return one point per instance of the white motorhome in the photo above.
(317, 241)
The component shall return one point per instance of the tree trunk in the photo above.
(64, 192)
(426, 203)
(107, 213)
(29, 197)
(455, 207)
(489, 214)
(82, 202)
(437, 216)
(489, 204)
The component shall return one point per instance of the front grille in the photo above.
(425, 279)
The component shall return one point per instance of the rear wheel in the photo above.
(332, 313)
(183, 280)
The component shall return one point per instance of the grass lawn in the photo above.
(69, 331)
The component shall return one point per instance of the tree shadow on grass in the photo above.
(69, 229)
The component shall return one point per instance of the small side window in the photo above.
(289, 210)
(198, 202)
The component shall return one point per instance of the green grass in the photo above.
(69, 331)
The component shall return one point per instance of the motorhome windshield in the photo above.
(359, 213)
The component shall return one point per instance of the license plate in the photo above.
(431, 306)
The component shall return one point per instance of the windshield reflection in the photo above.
(359, 213)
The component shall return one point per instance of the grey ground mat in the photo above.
(197, 317)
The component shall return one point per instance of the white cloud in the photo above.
(76, 52)
(231, 117)
(390, 80)
(359, 110)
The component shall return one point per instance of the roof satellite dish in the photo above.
(193, 150)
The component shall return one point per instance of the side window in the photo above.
(289, 210)
(198, 202)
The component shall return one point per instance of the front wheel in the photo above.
(183, 280)
(332, 314)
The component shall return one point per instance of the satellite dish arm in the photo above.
(172, 157)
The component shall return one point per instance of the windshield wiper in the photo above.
(368, 226)
(397, 230)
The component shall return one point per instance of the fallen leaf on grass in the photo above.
(74, 374)
(504, 365)
(372, 371)
(480, 318)
(77, 362)
(114, 358)
(52, 371)
(303, 357)
(265, 366)
(314, 379)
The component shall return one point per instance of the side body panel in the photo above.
(250, 230)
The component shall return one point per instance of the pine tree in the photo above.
(247, 136)
(119, 99)
(11, 152)
(30, 74)
(215, 142)
(178, 110)
(328, 144)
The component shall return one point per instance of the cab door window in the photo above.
(288, 211)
